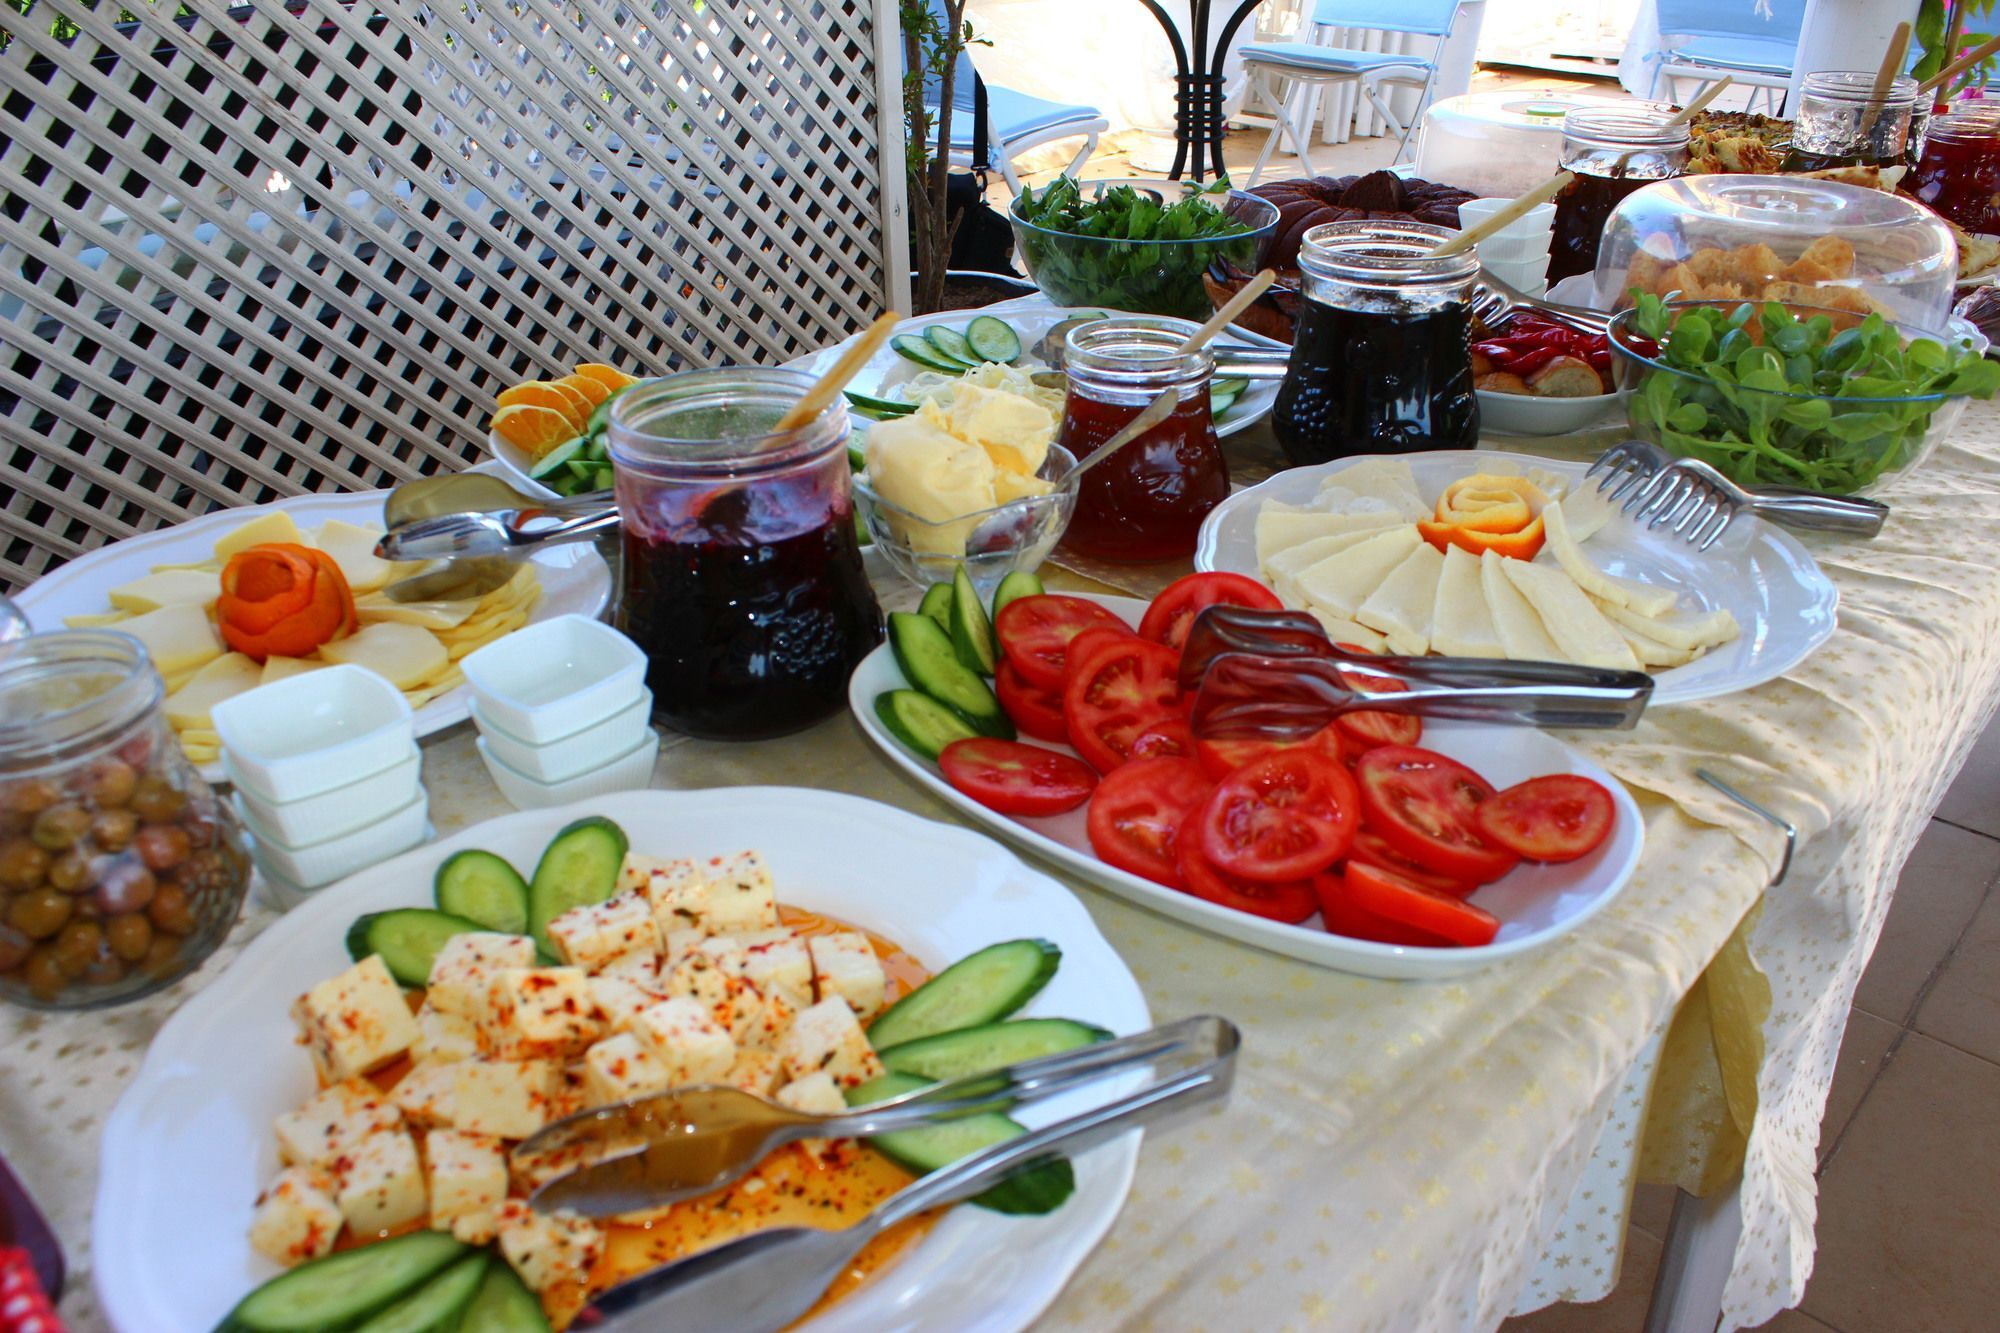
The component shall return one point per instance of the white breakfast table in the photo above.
(1408, 1156)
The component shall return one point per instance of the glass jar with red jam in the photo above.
(742, 581)
(1959, 173)
(1842, 123)
(1613, 151)
(1381, 360)
(1145, 502)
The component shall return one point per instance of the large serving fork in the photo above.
(1692, 500)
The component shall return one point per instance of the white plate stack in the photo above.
(326, 772)
(563, 712)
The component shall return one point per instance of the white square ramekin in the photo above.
(310, 733)
(323, 863)
(624, 772)
(553, 679)
(573, 755)
(311, 820)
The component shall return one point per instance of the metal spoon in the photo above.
(503, 532)
(465, 493)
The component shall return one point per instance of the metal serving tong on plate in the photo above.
(1276, 675)
(1697, 503)
(505, 532)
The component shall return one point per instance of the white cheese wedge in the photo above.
(226, 677)
(1522, 636)
(1571, 619)
(376, 608)
(178, 638)
(1587, 510)
(1339, 629)
(1282, 570)
(1279, 528)
(1401, 606)
(1682, 629)
(168, 587)
(404, 655)
(279, 668)
(1646, 599)
(1461, 623)
(276, 526)
(1386, 479)
(1340, 583)
(353, 549)
(1651, 652)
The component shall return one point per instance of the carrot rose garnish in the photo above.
(282, 600)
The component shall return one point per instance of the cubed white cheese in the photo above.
(779, 961)
(845, 964)
(682, 1034)
(538, 1013)
(569, 1098)
(507, 1099)
(756, 1071)
(725, 951)
(296, 1217)
(621, 1000)
(329, 1126)
(548, 1250)
(468, 1176)
(355, 1022)
(766, 1024)
(619, 1069)
(828, 1038)
(740, 895)
(424, 1094)
(381, 1183)
(816, 1094)
(442, 1037)
(466, 965)
(677, 891)
(676, 945)
(638, 969)
(592, 936)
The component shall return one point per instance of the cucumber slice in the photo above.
(331, 1292)
(1016, 585)
(556, 458)
(1040, 1187)
(595, 448)
(978, 989)
(1218, 403)
(503, 1304)
(971, 631)
(602, 479)
(878, 407)
(600, 418)
(920, 351)
(481, 887)
(582, 467)
(921, 722)
(937, 605)
(578, 867)
(992, 339)
(857, 458)
(951, 343)
(408, 939)
(992, 1046)
(1233, 387)
(434, 1307)
(925, 654)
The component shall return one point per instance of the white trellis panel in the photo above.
(254, 251)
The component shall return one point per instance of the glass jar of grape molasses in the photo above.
(1381, 362)
(1959, 173)
(1841, 123)
(1612, 151)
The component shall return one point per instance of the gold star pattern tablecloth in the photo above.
(1397, 1154)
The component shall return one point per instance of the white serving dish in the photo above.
(1536, 904)
(323, 863)
(1783, 603)
(573, 755)
(1526, 414)
(554, 679)
(311, 733)
(331, 814)
(189, 1145)
(625, 772)
(1528, 276)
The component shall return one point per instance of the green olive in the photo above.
(156, 800)
(23, 865)
(39, 913)
(124, 885)
(162, 846)
(44, 974)
(70, 872)
(172, 910)
(57, 828)
(130, 936)
(106, 969)
(30, 796)
(113, 830)
(162, 956)
(78, 945)
(108, 783)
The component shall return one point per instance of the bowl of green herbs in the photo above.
(1137, 245)
(1787, 395)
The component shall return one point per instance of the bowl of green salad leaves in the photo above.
(1137, 245)
(1787, 395)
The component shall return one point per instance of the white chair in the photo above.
(1705, 39)
(1310, 68)
(1015, 123)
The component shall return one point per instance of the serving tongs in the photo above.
(1275, 675)
(1698, 503)
(653, 1151)
(514, 533)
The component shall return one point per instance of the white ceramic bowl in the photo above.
(323, 863)
(626, 772)
(554, 679)
(1526, 414)
(312, 820)
(1529, 276)
(311, 733)
(574, 755)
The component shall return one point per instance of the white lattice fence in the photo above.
(248, 252)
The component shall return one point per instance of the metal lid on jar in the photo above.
(1856, 87)
(1385, 254)
(1625, 125)
(64, 693)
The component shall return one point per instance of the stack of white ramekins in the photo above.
(1519, 252)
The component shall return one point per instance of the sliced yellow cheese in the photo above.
(1522, 636)
(1278, 528)
(103, 621)
(1586, 510)
(278, 668)
(1389, 480)
(1284, 567)
(1401, 606)
(1581, 633)
(1651, 652)
(1681, 629)
(1644, 598)
(1339, 629)
(1340, 583)
(404, 655)
(353, 549)
(375, 608)
(168, 587)
(179, 638)
(1461, 624)
(276, 526)
(226, 677)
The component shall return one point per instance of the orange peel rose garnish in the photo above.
(1521, 545)
(1488, 503)
(282, 600)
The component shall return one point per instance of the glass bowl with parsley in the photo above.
(1137, 246)
(1788, 395)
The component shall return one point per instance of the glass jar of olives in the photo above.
(119, 869)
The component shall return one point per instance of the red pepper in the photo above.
(1529, 362)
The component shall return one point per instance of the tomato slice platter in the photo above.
(1152, 785)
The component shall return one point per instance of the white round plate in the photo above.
(1536, 904)
(510, 463)
(574, 577)
(1030, 317)
(189, 1144)
(1781, 600)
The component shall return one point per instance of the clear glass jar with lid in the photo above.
(1381, 362)
(120, 871)
(1612, 151)
(1842, 123)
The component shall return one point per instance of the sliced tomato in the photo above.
(1016, 779)
(1034, 711)
(1388, 894)
(1286, 816)
(1167, 619)
(1556, 817)
(1426, 807)
(1372, 849)
(1137, 812)
(1170, 738)
(1221, 758)
(1366, 730)
(1341, 916)
(1034, 633)
(1088, 642)
(1116, 689)
(1291, 901)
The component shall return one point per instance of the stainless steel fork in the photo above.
(1695, 502)
(1494, 300)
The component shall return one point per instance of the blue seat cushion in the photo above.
(1011, 115)
(1754, 54)
(1311, 59)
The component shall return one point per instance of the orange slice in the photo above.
(533, 429)
(611, 377)
(595, 390)
(549, 393)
